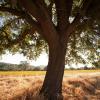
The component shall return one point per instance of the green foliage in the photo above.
(83, 46)
(97, 64)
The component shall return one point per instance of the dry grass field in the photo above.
(84, 86)
(35, 73)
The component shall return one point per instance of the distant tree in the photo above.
(36, 68)
(1, 66)
(24, 65)
(70, 28)
(86, 68)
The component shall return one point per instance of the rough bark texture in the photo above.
(52, 86)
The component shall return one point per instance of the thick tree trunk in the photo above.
(52, 86)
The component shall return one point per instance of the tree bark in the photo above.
(52, 86)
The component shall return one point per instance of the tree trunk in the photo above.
(52, 86)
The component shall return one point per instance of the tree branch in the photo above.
(63, 8)
(49, 31)
(12, 11)
(30, 7)
(33, 23)
(77, 18)
(69, 4)
(50, 9)
(23, 15)
(43, 23)
(84, 6)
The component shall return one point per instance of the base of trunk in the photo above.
(51, 96)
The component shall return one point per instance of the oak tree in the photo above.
(65, 28)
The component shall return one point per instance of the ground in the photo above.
(77, 85)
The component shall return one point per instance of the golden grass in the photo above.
(27, 88)
(35, 73)
(82, 71)
(22, 73)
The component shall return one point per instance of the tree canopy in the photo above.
(18, 35)
(68, 28)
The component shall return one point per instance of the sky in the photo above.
(41, 61)
(15, 59)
